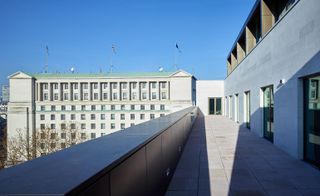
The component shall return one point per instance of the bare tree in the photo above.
(45, 141)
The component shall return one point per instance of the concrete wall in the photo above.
(207, 89)
(289, 51)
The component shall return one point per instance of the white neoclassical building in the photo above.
(95, 104)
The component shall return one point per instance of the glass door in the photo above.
(312, 120)
(268, 104)
(247, 109)
(215, 106)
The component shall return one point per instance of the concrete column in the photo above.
(240, 53)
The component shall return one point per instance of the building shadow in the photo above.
(263, 167)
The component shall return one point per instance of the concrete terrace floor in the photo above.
(222, 159)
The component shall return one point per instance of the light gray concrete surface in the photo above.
(222, 158)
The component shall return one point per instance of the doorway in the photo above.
(247, 108)
(215, 106)
(312, 120)
(268, 106)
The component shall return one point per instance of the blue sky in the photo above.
(80, 34)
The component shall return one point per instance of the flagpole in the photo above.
(47, 57)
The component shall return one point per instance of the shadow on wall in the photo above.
(260, 168)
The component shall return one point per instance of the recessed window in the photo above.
(152, 107)
(83, 116)
(93, 126)
(132, 116)
(112, 116)
(93, 135)
(63, 117)
(73, 117)
(142, 107)
(142, 116)
(42, 117)
(122, 125)
(123, 107)
(93, 116)
(102, 116)
(122, 117)
(151, 116)
(112, 126)
(53, 117)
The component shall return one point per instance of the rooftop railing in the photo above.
(139, 160)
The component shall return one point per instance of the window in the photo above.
(83, 126)
(63, 135)
(53, 145)
(151, 116)
(163, 85)
(102, 126)
(83, 107)
(66, 86)
(114, 96)
(93, 135)
(113, 107)
(65, 96)
(122, 117)
(153, 85)
(83, 116)
(133, 95)
(42, 117)
(124, 96)
(53, 126)
(134, 85)
(142, 116)
(42, 108)
(132, 107)
(154, 95)
(63, 126)
(53, 136)
(161, 115)
(63, 117)
(124, 85)
(56, 96)
(93, 126)
(75, 96)
(45, 96)
(95, 96)
(73, 117)
(73, 107)
(114, 85)
(52, 117)
(95, 85)
(131, 124)
(63, 108)
(123, 107)
(42, 126)
(102, 134)
(163, 95)
(103, 107)
(142, 107)
(85, 96)
(55, 86)
(102, 116)
(152, 107)
(105, 96)
(144, 95)
(53, 108)
(83, 136)
(162, 107)
(105, 85)
(112, 126)
(122, 126)
(63, 145)
(112, 116)
(85, 86)
(93, 108)
(45, 86)
(93, 116)
(73, 126)
(43, 135)
(132, 116)
(143, 85)
(75, 86)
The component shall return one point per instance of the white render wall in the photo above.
(207, 89)
(290, 51)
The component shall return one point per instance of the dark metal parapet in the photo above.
(139, 160)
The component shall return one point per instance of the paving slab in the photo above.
(221, 158)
